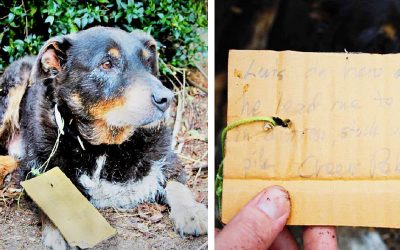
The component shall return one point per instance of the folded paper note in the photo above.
(78, 221)
(340, 158)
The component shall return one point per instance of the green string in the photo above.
(274, 121)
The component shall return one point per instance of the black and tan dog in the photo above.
(114, 145)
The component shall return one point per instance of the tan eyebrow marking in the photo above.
(114, 52)
(145, 54)
(389, 30)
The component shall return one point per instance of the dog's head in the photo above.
(108, 80)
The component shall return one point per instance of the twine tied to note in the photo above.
(270, 122)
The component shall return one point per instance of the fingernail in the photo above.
(274, 202)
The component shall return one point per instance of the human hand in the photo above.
(261, 225)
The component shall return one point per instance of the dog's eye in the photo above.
(106, 65)
(152, 47)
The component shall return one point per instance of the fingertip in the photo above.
(259, 222)
(275, 203)
(284, 241)
(274, 188)
(320, 237)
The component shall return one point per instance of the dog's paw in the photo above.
(53, 239)
(190, 219)
(189, 216)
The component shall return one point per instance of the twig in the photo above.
(205, 90)
(26, 19)
(178, 120)
(188, 158)
(4, 199)
(177, 79)
(4, 195)
(201, 70)
(173, 83)
(183, 72)
(200, 159)
(180, 146)
(195, 178)
(203, 246)
(200, 168)
(171, 72)
(183, 86)
(180, 107)
(203, 165)
(126, 215)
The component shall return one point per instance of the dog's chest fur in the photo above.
(104, 193)
(130, 161)
(116, 175)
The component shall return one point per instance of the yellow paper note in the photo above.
(78, 221)
(340, 160)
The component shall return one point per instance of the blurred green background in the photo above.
(176, 24)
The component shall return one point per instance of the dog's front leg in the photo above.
(51, 236)
(189, 216)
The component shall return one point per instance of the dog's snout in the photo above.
(162, 98)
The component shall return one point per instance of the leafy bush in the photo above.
(27, 24)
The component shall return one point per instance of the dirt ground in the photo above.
(20, 229)
(145, 227)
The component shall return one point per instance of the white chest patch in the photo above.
(16, 147)
(123, 195)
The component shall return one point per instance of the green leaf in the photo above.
(84, 22)
(117, 16)
(33, 10)
(11, 17)
(119, 4)
(78, 22)
(49, 19)
(7, 49)
(73, 28)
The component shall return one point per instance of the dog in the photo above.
(102, 85)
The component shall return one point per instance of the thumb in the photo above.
(258, 223)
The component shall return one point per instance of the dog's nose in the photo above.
(162, 98)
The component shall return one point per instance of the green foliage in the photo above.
(26, 24)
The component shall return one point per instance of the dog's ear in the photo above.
(150, 45)
(51, 59)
